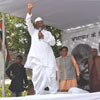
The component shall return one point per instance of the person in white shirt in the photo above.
(41, 58)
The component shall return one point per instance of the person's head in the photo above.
(64, 51)
(39, 23)
(19, 59)
(94, 52)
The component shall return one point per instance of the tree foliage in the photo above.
(18, 38)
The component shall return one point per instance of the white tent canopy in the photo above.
(62, 14)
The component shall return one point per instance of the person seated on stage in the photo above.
(68, 71)
(17, 73)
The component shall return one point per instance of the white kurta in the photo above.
(41, 58)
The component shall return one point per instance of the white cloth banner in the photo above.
(90, 36)
(86, 96)
(79, 43)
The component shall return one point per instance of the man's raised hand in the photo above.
(30, 6)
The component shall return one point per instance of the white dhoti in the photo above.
(42, 79)
(41, 59)
(42, 76)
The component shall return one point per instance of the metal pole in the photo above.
(3, 41)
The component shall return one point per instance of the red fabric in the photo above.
(0, 26)
(8, 54)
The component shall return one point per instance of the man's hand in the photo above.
(30, 6)
(40, 35)
(78, 73)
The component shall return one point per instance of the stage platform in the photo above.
(81, 96)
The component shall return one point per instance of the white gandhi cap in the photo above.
(38, 19)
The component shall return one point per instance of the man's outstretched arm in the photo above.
(28, 18)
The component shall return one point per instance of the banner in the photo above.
(79, 43)
(63, 96)
(90, 36)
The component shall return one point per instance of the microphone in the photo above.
(40, 29)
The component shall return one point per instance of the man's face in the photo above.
(94, 52)
(18, 60)
(64, 52)
(39, 24)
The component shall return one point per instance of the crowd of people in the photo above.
(69, 72)
(45, 67)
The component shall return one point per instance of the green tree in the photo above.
(18, 38)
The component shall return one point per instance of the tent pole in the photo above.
(3, 38)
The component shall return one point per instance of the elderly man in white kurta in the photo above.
(41, 57)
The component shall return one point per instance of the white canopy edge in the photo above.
(62, 14)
